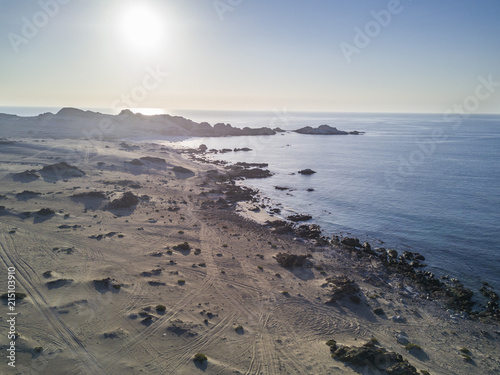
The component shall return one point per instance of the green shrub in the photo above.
(466, 357)
(161, 308)
(200, 358)
(331, 343)
(183, 246)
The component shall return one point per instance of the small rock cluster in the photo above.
(291, 260)
(372, 356)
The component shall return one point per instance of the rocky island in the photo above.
(325, 130)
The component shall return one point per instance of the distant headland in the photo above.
(77, 123)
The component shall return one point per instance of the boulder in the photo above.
(46, 212)
(237, 171)
(375, 358)
(126, 201)
(297, 218)
(392, 253)
(351, 242)
(251, 165)
(239, 193)
(308, 231)
(307, 171)
(341, 287)
(291, 260)
(178, 169)
(280, 226)
(488, 293)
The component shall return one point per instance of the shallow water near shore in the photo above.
(416, 182)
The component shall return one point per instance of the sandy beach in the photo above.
(111, 289)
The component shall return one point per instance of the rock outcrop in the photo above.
(291, 260)
(370, 356)
(325, 130)
(61, 170)
(69, 122)
(307, 171)
(126, 201)
(299, 217)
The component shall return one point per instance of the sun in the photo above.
(141, 28)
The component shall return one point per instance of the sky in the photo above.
(418, 56)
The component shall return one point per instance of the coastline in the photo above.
(111, 267)
(482, 303)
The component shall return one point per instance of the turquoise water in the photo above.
(413, 181)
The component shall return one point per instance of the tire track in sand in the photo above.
(89, 363)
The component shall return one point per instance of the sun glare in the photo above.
(148, 111)
(141, 28)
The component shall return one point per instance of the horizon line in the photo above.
(165, 111)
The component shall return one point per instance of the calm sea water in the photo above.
(415, 182)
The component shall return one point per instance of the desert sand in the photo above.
(110, 291)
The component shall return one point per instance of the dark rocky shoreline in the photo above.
(450, 291)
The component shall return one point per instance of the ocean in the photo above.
(412, 182)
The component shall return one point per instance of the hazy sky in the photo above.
(317, 55)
